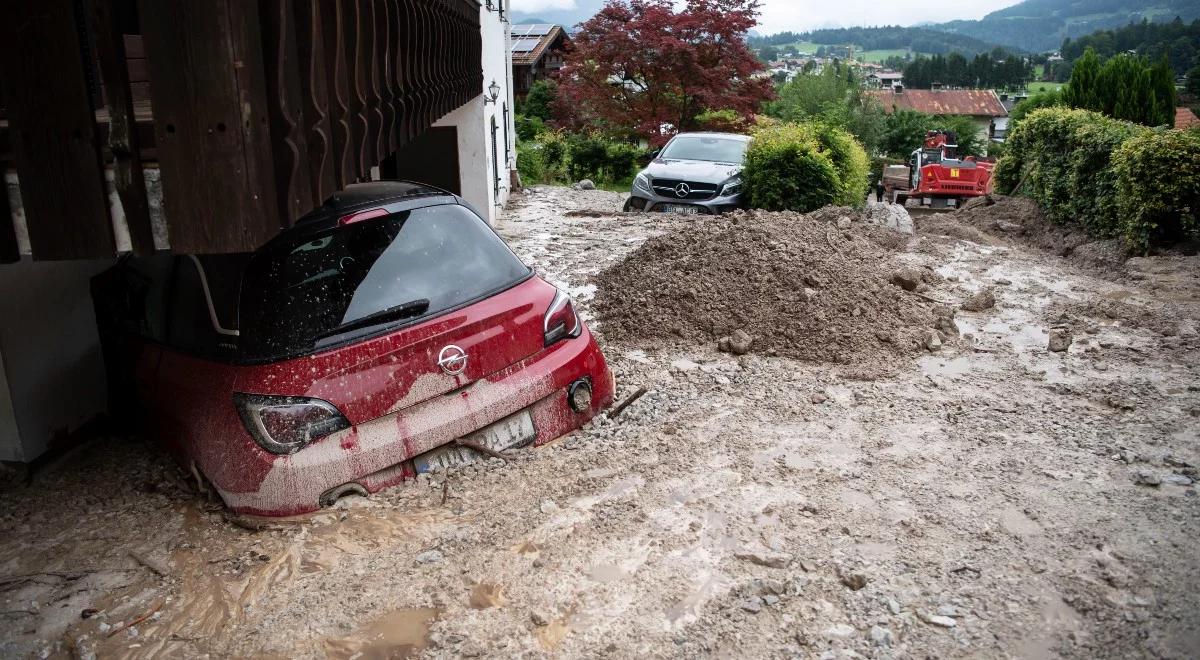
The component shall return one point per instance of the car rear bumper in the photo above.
(640, 200)
(378, 454)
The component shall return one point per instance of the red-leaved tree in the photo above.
(638, 67)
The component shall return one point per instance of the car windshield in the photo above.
(706, 147)
(297, 296)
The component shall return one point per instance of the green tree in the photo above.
(1193, 81)
(540, 100)
(1081, 91)
(833, 97)
(768, 54)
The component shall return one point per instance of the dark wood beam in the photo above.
(122, 127)
(53, 130)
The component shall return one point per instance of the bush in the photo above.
(1158, 186)
(849, 159)
(786, 169)
(1064, 156)
(529, 128)
(529, 163)
(554, 156)
(595, 158)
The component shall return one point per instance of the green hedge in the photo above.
(1158, 186)
(802, 167)
(554, 157)
(1063, 156)
(1110, 177)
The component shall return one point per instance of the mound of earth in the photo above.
(800, 287)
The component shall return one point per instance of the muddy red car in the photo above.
(358, 348)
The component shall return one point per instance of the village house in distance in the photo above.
(983, 106)
(537, 53)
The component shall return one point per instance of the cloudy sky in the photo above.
(798, 15)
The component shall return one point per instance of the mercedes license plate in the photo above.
(686, 209)
(507, 433)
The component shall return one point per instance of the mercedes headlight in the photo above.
(732, 187)
(642, 182)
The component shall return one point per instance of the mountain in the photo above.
(1041, 25)
(577, 12)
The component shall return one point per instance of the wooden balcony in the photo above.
(253, 112)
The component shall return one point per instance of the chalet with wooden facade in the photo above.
(537, 54)
(207, 127)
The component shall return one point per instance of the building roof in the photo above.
(1185, 118)
(530, 42)
(970, 102)
(887, 75)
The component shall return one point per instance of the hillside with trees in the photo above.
(890, 37)
(1041, 25)
(1177, 40)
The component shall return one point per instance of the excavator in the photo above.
(936, 177)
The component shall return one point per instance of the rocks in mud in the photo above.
(1060, 340)
(763, 557)
(1177, 480)
(684, 365)
(854, 581)
(586, 184)
(753, 605)
(939, 620)
(892, 216)
(738, 343)
(843, 222)
(818, 398)
(1146, 478)
(880, 636)
(933, 341)
(907, 278)
(982, 300)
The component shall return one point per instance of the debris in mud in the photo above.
(778, 278)
(980, 301)
(762, 557)
(1060, 340)
(889, 216)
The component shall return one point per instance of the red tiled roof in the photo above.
(972, 102)
(1185, 118)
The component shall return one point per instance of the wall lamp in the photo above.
(493, 93)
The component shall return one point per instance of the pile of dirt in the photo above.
(800, 287)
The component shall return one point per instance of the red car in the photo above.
(351, 352)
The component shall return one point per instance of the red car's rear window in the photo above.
(296, 295)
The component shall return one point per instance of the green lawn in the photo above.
(1034, 87)
(879, 56)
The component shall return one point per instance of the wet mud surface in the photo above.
(984, 498)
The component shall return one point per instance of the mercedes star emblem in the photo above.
(683, 190)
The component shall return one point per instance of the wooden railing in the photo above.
(260, 110)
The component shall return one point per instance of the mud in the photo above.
(799, 286)
(987, 499)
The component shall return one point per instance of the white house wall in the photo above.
(473, 124)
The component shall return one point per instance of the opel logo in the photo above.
(452, 360)
(683, 190)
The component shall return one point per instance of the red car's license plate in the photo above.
(507, 433)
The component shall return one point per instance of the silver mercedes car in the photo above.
(694, 173)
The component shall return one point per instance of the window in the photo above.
(708, 148)
(295, 295)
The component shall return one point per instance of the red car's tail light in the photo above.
(286, 424)
(561, 321)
